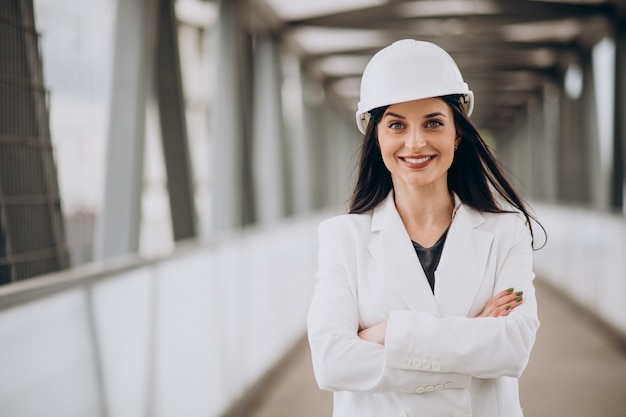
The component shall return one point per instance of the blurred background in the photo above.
(164, 165)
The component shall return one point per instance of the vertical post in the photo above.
(313, 121)
(526, 165)
(520, 157)
(170, 97)
(598, 182)
(300, 164)
(336, 137)
(536, 122)
(230, 191)
(549, 146)
(573, 152)
(268, 138)
(619, 130)
(32, 233)
(119, 222)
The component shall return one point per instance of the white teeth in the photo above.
(418, 160)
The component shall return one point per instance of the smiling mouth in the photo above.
(418, 160)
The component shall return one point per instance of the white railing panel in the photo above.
(585, 258)
(47, 365)
(187, 381)
(123, 322)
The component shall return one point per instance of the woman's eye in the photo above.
(433, 123)
(396, 125)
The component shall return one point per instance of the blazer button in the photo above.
(406, 361)
(420, 390)
(417, 363)
(438, 387)
(426, 364)
(429, 388)
(436, 366)
(449, 385)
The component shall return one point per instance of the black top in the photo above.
(429, 258)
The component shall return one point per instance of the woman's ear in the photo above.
(457, 142)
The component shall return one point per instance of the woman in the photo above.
(425, 305)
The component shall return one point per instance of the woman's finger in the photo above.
(512, 301)
(498, 300)
(502, 303)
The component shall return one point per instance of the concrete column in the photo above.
(619, 131)
(536, 141)
(526, 164)
(314, 121)
(598, 182)
(509, 148)
(268, 145)
(171, 104)
(573, 152)
(231, 193)
(341, 140)
(134, 48)
(549, 146)
(298, 118)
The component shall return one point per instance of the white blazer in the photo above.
(439, 360)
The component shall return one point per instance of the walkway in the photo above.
(576, 370)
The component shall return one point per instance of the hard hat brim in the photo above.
(363, 116)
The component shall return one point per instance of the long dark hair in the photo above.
(473, 176)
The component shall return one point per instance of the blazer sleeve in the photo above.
(481, 347)
(341, 360)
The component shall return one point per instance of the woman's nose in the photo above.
(415, 140)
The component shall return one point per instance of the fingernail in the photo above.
(519, 293)
(509, 290)
(507, 307)
(518, 299)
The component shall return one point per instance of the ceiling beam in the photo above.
(504, 12)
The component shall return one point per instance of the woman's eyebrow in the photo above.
(434, 115)
(426, 116)
(399, 116)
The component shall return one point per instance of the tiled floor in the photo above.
(576, 370)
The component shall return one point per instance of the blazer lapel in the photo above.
(393, 251)
(463, 262)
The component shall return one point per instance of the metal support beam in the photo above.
(618, 180)
(171, 103)
(32, 232)
(299, 161)
(231, 192)
(313, 120)
(515, 150)
(573, 153)
(598, 181)
(548, 148)
(340, 139)
(118, 225)
(532, 168)
(268, 136)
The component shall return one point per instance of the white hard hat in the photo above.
(409, 70)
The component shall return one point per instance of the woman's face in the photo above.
(417, 140)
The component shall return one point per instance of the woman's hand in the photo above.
(500, 305)
(375, 334)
